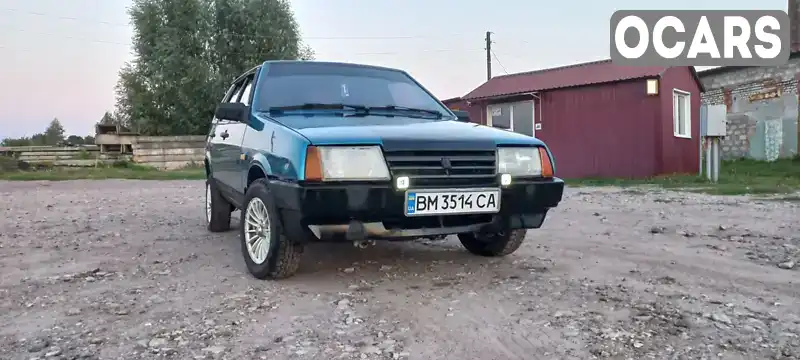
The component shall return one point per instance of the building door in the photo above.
(517, 117)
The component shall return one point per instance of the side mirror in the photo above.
(232, 111)
(463, 116)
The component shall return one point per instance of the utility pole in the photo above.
(488, 55)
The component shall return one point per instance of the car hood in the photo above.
(382, 130)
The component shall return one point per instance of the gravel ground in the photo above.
(126, 270)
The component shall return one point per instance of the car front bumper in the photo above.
(377, 211)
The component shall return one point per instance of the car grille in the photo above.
(425, 169)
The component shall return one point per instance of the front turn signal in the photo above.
(547, 166)
(313, 164)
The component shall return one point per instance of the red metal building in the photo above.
(599, 119)
(456, 103)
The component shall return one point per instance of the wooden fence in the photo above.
(169, 152)
(78, 156)
(163, 152)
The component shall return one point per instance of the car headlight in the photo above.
(527, 161)
(345, 163)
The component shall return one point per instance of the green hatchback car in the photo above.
(319, 151)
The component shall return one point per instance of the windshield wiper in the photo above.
(438, 114)
(359, 109)
(314, 106)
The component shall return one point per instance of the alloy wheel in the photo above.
(257, 232)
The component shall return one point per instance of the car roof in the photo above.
(266, 63)
(332, 63)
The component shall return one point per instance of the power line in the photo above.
(513, 56)
(11, 48)
(75, 38)
(405, 37)
(245, 36)
(499, 63)
(421, 50)
(226, 35)
(491, 54)
(130, 44)
(63, 17)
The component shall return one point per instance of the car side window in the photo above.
(247, 91)
(228, 95)
(231, 96)
(236, 93)
(230, 92)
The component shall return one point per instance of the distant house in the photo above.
(599, 119)
(456, 103)
(762, 106)
(761, 101)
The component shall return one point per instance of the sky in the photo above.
(60, 58)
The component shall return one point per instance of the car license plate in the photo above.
(451, 202)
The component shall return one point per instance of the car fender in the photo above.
(261, 162)
(207, 163)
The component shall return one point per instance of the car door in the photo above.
(219, 141)
(231, 145)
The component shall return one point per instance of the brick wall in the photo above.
(747, 75)
(725, 95)
(760, 129)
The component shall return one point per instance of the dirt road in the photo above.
(126, 270)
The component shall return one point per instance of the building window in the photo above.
(682, 114)
(499, 115)
(517, 117)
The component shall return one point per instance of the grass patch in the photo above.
(84, 155)
(119, 170)
(789, 198)
(736, 177)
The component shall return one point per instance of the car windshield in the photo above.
(322, 85)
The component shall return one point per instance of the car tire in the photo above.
(281, 258)
(493, 244)
(218, 210)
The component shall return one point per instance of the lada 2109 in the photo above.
(318, 151)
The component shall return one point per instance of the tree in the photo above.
(75, 140)
(54, 134)
(307, 53)
(23, 141)
(108, 119)
(187, 51)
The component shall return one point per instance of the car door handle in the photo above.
(225, 135)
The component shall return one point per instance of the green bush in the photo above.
(121, 164)
(8, 163)
(84, 155)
